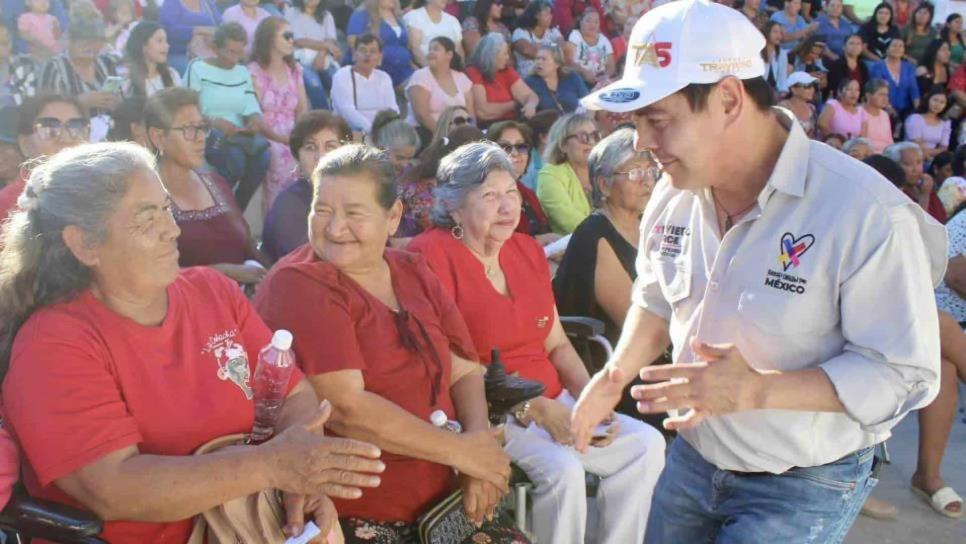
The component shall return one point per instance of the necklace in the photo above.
(488, 268)
(730, 217)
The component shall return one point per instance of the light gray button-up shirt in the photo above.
(833, 269)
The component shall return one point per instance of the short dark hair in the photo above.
(757, 88)
(941, 161)
(366, 39)
(528, 19)
(31, 108)
(131, 110)
(229, 32)
(890, 169)
(312, 122)
(355, 159)
(447, 44)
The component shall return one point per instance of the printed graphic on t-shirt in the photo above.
(232, 360)
(791, 249)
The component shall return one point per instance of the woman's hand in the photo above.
(529, 109)
(247, 274)
(318, 507)
(481, 457)
(613, 429)
(554, 418)
(480, 499)
(99, 99)
(304, 461)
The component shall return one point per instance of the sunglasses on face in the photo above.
(194, 132)
(520, 149)
(588, 138)
(460, 121)
(289, 35)
(51, 128)
(649, 174)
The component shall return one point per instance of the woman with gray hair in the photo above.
(563, 184)
(497, 87)
(598, 269)
(118, 364)
(558, 87)
(500, 281)
(919, 185)
(392, 134)
(378, 337)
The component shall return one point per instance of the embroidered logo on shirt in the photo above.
(232, 360)
(793, 248)
(542, 321)
(672, 239)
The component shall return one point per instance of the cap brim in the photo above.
(626, 95)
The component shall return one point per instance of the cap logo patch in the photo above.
(620, 96)
(726, 66)
(657, 54)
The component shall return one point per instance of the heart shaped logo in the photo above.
(792, 249)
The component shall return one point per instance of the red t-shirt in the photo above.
(517, 325)
(338, 325)
(957, 81)
(9, 195)
(85, 382)
(498, 90)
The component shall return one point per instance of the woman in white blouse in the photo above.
(438, 86)
(591, 54)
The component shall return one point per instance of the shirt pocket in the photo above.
(788, 314)
(674, 277)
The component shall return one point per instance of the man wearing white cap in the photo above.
(794, 282)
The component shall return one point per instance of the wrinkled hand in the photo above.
(480, 499)
(483, 458)
(612, 431)
(596, 403)
(318, 507)
(247, 274)
(720, 383)
(554, 418)
(305, 461)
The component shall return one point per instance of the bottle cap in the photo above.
(282, 340)
(439, 418)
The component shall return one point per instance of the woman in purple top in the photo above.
(185, 20)
(927, 127)
(286, 225)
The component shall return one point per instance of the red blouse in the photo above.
(517, 325)
(338, 325)
(215, 235)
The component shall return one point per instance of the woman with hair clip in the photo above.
(392, 134)
(438, 86)
(416, 186)
(146, 58)
(281, 92)
(382, 18)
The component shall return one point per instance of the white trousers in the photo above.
(628, 469)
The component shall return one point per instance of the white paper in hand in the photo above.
(311, 531)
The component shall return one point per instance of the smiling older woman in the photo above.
(501, 283)
(379, 337)
(121, 365)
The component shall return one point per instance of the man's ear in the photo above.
(731, 96)
(76, 241)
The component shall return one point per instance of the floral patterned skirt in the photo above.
(366, 531)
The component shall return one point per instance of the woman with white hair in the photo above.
(563, 184)
(558, 87)
(918, 184)
(115, 359)
(500, 282)
(498, 90)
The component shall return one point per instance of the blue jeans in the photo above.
(317, 86)
(243, 166)
(697, 503)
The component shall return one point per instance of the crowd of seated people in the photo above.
(382, 178)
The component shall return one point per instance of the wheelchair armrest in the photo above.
(48, 520)
(582, 327)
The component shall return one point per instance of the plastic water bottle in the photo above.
(441, 420)
(272, 374)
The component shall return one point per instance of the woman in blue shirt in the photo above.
(381, 18)
(184, 21)
(557, 87)
(901, 77)
(794, 24)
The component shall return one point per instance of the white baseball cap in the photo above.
(800, 78)
(677, 44)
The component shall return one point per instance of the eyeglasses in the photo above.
(289, 35)
(642, 175)
(51, 128)
(192, 132)
(520, 149)
(460, 121)
(370, 52)
(586, 137)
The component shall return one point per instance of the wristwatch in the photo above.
(522, 414)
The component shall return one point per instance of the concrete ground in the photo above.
(917, 523)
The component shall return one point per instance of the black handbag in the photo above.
(446, 523)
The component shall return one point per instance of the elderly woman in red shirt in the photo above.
(378, 336)
(500, 281)
(119, 365)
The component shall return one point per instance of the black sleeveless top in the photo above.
(573, 285)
